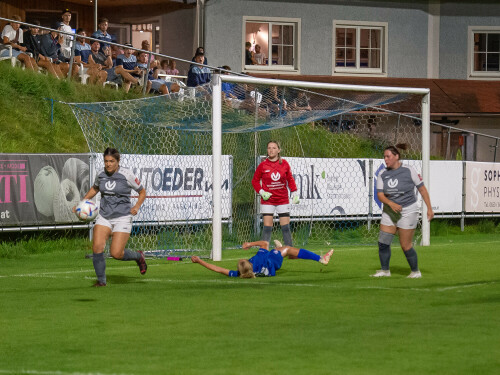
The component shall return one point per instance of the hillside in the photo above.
(25, 111)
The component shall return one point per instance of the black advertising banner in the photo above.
(41, 189)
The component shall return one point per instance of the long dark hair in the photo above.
(112, 152)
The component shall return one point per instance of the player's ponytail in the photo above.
(245, 269)
(395, 149)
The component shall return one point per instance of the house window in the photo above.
(484, 52)
(273, 44)
(360, 47)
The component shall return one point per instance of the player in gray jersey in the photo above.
(396, 190)
(115, 214)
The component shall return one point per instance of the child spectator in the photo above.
(198, 75)
(172, 68)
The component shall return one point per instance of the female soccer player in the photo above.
(270, 181)
(115, 214)
(396, 190)
(264, 262)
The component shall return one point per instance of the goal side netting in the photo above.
(195, 152)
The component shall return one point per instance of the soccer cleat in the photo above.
(277, 243)
(143, 267)
(98, 284)
(414, 275)
(325, 259)
(382, 273)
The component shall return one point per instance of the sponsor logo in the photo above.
(275, 176)
(420, 177)
(137, 181)
(110, 185)
(392, 183)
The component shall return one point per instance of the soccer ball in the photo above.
(86, 211)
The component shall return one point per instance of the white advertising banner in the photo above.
(178, 187)
(330, 187)
(482, 187)
(445, 190)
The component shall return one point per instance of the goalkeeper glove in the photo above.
(295, 198)
(265, 194)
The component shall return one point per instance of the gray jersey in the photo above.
(399, 185)
(115, 192)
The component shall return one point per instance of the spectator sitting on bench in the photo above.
(31, 40)
(50, 48)
(198, 74)
(128, 64)
(82, 52)
(116, 74)
(13, 36)
(155, 83)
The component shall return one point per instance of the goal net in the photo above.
(196, 151)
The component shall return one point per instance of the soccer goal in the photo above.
(196, 151)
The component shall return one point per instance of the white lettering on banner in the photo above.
(178, 187)
(482, 187)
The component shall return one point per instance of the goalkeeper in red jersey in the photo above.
(271, 180)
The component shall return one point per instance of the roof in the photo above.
(449, 97)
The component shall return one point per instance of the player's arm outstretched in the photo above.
(211, 267)
(261, 244)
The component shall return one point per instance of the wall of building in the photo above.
(177, 36)
(407, 23)
(455, 19)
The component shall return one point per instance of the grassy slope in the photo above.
(25, 125)
(183, 319)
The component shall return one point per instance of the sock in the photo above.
(287, 234)
(131, 255)
(384, 253)
(100, 267)
(411, 257)
(384, 249)
(306, 254)
(266, 233)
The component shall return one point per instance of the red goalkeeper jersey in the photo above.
(274, 178)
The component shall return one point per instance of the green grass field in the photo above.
(183, 319)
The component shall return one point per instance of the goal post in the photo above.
(195, 153)
(217, 95)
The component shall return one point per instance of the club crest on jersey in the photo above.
(275, 176)
(137, 181)
(420, 177)
(110, 185)
(392, 183)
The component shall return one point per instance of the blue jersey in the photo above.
(128, 63)
(115, 192)
(265, 263)
(83, 51)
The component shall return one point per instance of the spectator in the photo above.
(116, 74)
(146, 46)
(66, 41)
(198, 74)
(172, 68)
(49, 47)
(31, 40)
(163, 67)
(301, 102)
(82, 52)
(127, 63)
(115, 52)
(277, 106)
(12, 36)
(155, 83)
(102, 33)
(259, 57)
(202, 51)
(249, 59)
(228, 88)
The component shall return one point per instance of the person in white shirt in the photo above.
(66, 41)
(12, 35)
(259, 56)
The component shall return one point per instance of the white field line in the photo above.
(36, 372)
(55, 274)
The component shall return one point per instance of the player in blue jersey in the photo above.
(264, 263)
(396, 190)
(115, 214)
